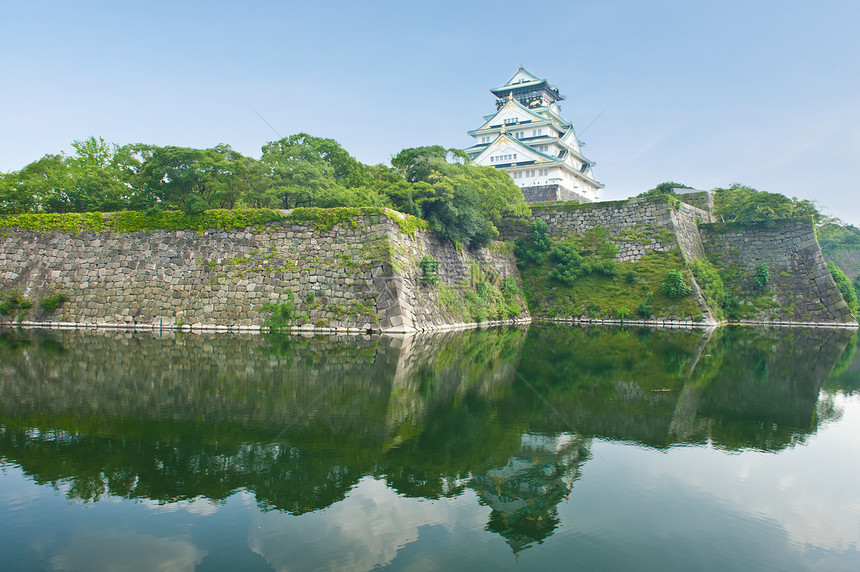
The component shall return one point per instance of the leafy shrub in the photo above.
(762, 277)
(566, 253)
(429, 270)
(482, 289)
(12, 303)
(509, 287)
(542, 241)
(533, 251)
(282, 313)
(571, 264)
(845, 286)
(568, 263)
(711, 283)
(603, 267)
(526, 255)
(51, 302)
(621, 312)
(645, 309)
(675, 284)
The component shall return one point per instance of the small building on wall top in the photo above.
(528, 138)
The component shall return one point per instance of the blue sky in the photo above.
(763, 93)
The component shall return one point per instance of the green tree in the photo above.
(834, 234)
(103, 176)
(744, 204)
(462, 202)
(171, 176)
(426, 164)
(667, 188)
(41, 186)
(312, 171)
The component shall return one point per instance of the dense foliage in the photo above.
(580, 277)
(833, 234)
(663, 189)
(675, 284)
(840, 242)
(744, 204)
(461, 202)
(845, 286)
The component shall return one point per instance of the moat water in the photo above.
(553, 447)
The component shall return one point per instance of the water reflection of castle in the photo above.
(524, 494)
(298, 422)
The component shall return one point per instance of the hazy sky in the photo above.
(763, 93)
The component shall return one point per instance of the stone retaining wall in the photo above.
(803, 292)
(543, 193)
(361, 276)
(800, 288)
(632, 226)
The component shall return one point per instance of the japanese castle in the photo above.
(528, 138)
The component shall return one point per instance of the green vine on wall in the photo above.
(215, 219)
(762, 277)
(429, 270)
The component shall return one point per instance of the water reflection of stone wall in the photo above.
(737, 387)
(201, 378)
(766, 386)
(298, 421)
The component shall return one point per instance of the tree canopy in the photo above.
(667, 188)
(462, 202)
(744, 204)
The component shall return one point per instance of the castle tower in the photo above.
(528, 138)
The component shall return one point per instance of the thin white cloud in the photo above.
(364, 530)
(127, 552)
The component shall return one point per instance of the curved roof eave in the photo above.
(521, 145)
(516, 103)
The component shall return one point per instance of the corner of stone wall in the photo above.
(803, 290)
(409, 303)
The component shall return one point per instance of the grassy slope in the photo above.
(610, 297)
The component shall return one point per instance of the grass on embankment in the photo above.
(579, 277)
(634, 293)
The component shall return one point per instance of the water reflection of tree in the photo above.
(734, 387)
(846, 372)
(763, 390)
(299, 421)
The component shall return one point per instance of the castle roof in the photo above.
(524, 79)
